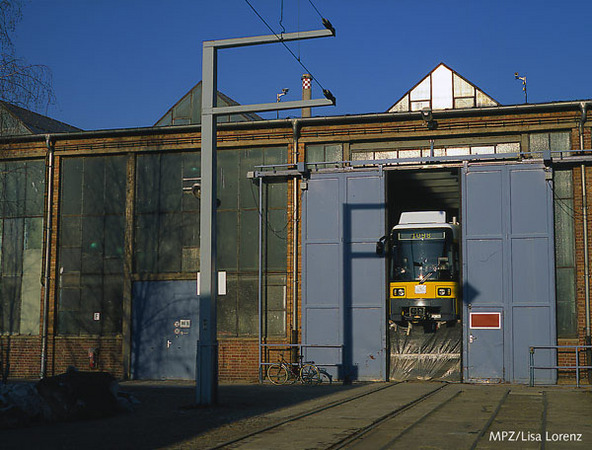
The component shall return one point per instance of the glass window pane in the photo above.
(276, 240)
(566, 306)
(115, 179)
(510, 147)
(276, 155)
(464, 103)
(14, 189)
(418, 106)
(457, 151)
(146, 246)
(147, 183)
(560, 141)
(71, 186)
(191, 170)
(564, 233)
(315, 153)
(539, 142)
(12, 247)
(442, 88)
(483, 150)
(92, 244)
(484, 100)
(249, 240)
(170, 236)
(33, 233)
(93, 187)
(111, 311)
(563, 184)
(249, 159)
(35, 179)
(228, 179)
(402, 105)
(333, 153)
(227, 240)
(277, 193)
(422, 90)
(462, 88)
(248, 323)
(171, 182)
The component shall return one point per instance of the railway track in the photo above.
(336, 408)
(439, 415)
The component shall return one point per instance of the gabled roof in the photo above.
(188, 110)
(15, 120)
(443, 88)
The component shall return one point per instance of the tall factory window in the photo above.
(167, 230)
(238, 249)
(22, 186)
(92, 226)
(167, 220)
(565, 270)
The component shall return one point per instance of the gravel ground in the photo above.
(166, 417)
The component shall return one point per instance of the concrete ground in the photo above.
(453, 416)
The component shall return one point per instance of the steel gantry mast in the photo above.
(206, 385)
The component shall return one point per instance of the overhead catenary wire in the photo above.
(286, 46)
(315, 8)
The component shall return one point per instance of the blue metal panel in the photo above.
(487, 351)
(508, 266)
(165, 330)
(343, 279)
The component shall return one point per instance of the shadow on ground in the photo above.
(165, 416)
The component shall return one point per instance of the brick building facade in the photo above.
(119, 219)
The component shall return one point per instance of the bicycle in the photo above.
(284, 372)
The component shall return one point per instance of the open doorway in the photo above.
(423, 274)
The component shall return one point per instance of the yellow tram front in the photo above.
(424, 273)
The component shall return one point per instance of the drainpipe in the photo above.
(587, 338)
(46, 271)
(295, 135)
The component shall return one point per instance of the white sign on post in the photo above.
(221, 283)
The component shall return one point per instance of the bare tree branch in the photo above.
(21, 83)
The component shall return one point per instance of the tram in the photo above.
(423, 268)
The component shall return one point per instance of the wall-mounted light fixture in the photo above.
(428, 118)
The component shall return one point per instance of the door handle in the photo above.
(472, 339)
(169, 343)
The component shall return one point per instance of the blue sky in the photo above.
(124, 63)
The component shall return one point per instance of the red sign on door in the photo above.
(486, 320)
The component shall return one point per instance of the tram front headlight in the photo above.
(398, 292)
(443, 292)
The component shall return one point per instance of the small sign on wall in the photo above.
(485, 320)
(221, 283)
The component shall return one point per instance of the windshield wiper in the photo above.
(427, 275)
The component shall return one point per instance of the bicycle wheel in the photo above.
(277, 374)
(309, 374)
(325, 376)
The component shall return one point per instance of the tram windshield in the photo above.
(427, 254)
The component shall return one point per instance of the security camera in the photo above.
(285, 90)
(196, 190)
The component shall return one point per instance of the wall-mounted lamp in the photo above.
(428, 118)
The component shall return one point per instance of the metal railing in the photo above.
(577, 367)
(262, 364)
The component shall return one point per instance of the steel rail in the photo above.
(303, 415)
(364, 431)
(490, 420)
(421, 419)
